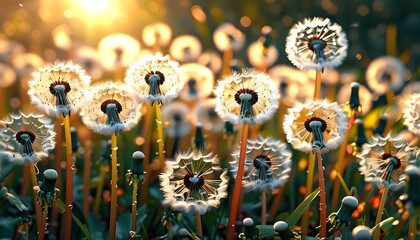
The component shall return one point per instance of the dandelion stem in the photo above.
(391, 40)
(44, 217)
(414, 217)
(38, 211)
(161, 146)
(317, 92)
(340, 165)
(238, 184)
(134, 207)
(69, 179)
(380, 212)
(309, 184)
(198, 224)
(103, 169)
(26, 231)
(323, 201)
(113, 212)
(227, 58)
(263, 207)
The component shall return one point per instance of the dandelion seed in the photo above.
(316, 43)
(59, 88)
(247, 97)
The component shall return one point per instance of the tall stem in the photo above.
(69, 179)
(198, 224)
(113, 214)
(414, 217)
(134, 208)
(317, 92)
(38, 211)
(238, 184)
(44, 218)
(309, 184)
(380, 212)
(227, 58)
(160, 141)
(263, 207)
(323, 201)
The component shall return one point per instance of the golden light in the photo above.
(94, 5)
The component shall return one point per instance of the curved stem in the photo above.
(380, 212)
(198, 224)
(323, 201)
(134, 208)
(69, 179)
(113, 212)
(160, 141)
(309, 185)
(38, 211)
(238, 184)
(263, 207)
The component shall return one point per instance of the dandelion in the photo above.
(9, 49)
(267, 166)
(118, 50)
(382, 162)
(155, 78)
(411, 114)
(199, 81)
(61, 36)
(89, 59)
(384, 74)
(365, 97)
(110, 109)
(211, 60)
(194, 181)
(59, 88)
(248, 97)
(157, 35)
(26, 138)
(316, 43)
(176, 116)
(207, 116)
(315, 124)
(262, 54)
(185, 48)
(27, 63)
(227, 37)
(7, 76)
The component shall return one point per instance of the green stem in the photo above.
(160, 141)
(38, 211)
(114, 177)
(380, 212)
(134, 208)
(69, 179)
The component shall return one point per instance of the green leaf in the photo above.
(265, 231)
(297, 213)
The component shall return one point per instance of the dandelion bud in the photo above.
(354, 101)
(283, 230)
(348, 206)
(380, 129)
(361, 136)
(137, 164)
(47, 189)
(361, 233)
(229, 129)
(74, 139)
(249, 228)
(199, 138)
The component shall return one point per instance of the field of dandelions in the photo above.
(181, 143)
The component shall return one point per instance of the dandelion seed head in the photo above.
(384, 74)
(118, 50)
(316, 43)
(26, 138)
(193, 181)
(185, 48)
(227, 37)
(158, 33)
(411, 113)
(298, 129)
(199, 81)
(177, 116)
(246, 97)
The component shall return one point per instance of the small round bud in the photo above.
(50, 174)
(249, 228)
(348, 206)
(248, 222)
(138, 155)
(361, 233)
(280, 226)
(137, 164)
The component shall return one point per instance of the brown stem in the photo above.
(198, 224)
(263, 207)
(38, 211)
(323, 201)
(238, 184)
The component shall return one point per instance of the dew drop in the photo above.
(132, 234)
(70, 206)
(73, 168)
(118, 164)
